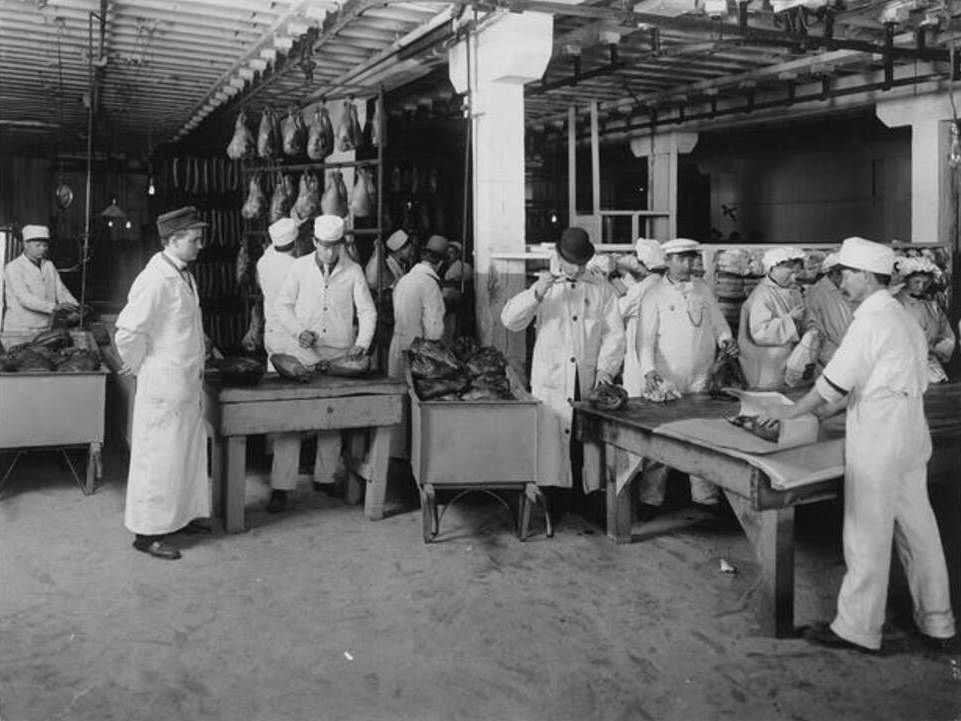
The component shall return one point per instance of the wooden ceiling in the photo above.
(160, 70)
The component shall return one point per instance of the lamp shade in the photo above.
(113, 211)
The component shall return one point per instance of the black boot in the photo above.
(277, 502)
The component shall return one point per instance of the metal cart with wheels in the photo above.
(469, 446)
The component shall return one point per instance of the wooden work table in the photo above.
(277, 405)
(766, 514)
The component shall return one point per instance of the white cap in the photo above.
(283, 232)
(830, 260)
(862, 254)
(35, 232)
(776, 256)
(680, 245)
(397, 240)
(328, 229)
(456, 244)
(911, 265)
(650, 253)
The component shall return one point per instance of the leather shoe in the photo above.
(647, 512)
(821, 634)
(277, 502)
(940, 645)
(157, 548)
(195, 528)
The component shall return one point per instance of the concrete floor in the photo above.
(321, 614)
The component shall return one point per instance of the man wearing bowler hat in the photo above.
(320, 297)
(580, 343)
(160, 339)
(33, 289)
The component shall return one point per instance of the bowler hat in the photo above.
(575, 246)
(181, 219)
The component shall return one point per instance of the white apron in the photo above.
(160, 335)
(579, 331)
(767, 333)
(630, 307)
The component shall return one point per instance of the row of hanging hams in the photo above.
(293, 136)
(313, 196)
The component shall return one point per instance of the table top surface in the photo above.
(942, 406)
(275, 387)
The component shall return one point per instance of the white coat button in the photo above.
(574, 318)
(573, 360)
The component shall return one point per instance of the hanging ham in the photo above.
(256, 202)
(350, 135)
(320, 140)
(267, 145)
(363, 198)
(283, 199)
(334, 199)
(294, 133)
(308, 197)
(242, 143)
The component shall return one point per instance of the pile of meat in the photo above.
(608, 397)
(462, 372)
(725, 373)
(660, 390)
(770, 432)
(50, 351)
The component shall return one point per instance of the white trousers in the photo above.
(889, 507)
(653, 483)
(286, 461)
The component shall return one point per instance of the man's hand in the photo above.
(729, 348)
(307, 339)
(356, 353)
(543, 283)
(65, 306)
(602, 378)
(125, 370)
(652, 379)
(797, 313)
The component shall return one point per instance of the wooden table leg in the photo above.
(620, 512)
(235, 481)
(354, 488)
(377, 483)
(771, 532)
(217, 481)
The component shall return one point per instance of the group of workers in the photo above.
(874, 355)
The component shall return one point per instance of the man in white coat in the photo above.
(160, 339)
(33, 289)
(418, 313)
(771, 320)
(827, 311)
(316, 307)
(580, 343)
(681, 327)
(272, 271)
(880, 373)
(652, 264)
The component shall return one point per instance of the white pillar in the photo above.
(512, 51)
(929, 117)
(661, 153)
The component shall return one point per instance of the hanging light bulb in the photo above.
(128, 225)
(954, 156)
(109, 223)
(151, 190)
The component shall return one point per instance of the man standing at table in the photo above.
(316, 306)
(827, 310)
(880, 370)
(418, 313)
(33, 289)
(580, 343)
(681, 328)
(160, 339)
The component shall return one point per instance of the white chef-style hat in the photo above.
(911, 265)
(650, 253)
(35, 232)
(680, 245)
(863, 254)
(283, 232)
(830, 261)
(329, 229)
(397, 240)
(776, 256)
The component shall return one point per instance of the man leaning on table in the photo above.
(879, 372)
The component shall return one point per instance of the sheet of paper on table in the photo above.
(793, 432)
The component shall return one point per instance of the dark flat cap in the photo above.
(575, 246)
(181, 219)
